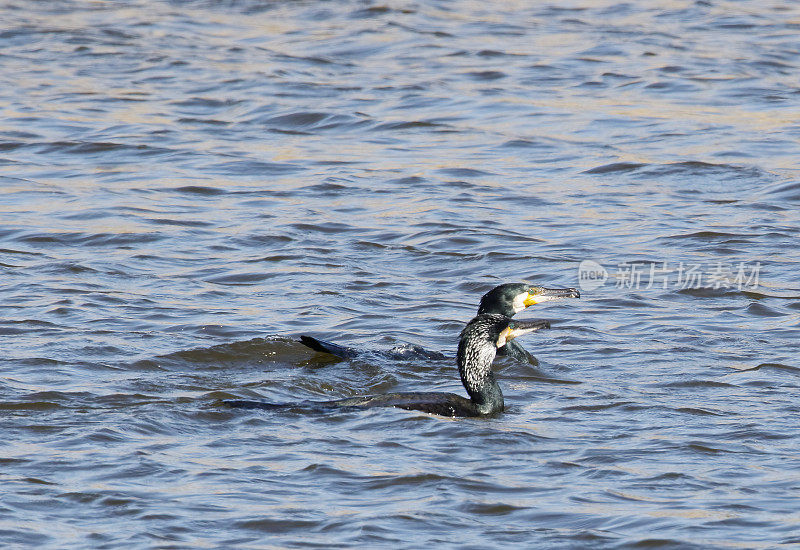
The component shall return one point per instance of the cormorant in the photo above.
(506, 299)
(511, 298)
(477, 346)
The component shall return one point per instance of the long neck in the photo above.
(475, 368)
(515, 351)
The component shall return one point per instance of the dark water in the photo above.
(188, 186)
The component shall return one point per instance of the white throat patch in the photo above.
(519, 302)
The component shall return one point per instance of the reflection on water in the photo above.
(188, 186)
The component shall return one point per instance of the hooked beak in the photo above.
(518, 328)
(537, 295)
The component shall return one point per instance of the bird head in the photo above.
(511, 298)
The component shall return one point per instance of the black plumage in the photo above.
(477, 346)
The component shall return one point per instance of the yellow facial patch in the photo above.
(533, 299)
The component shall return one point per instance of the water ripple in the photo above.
(190, 186)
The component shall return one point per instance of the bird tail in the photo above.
(328, 347)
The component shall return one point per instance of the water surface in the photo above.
(188, 186)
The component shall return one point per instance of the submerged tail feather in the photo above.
(328, 347)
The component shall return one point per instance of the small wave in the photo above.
(205, 103)
(464, 172)
(44, 401)
(699, 168)
(295, 120)
(32, 324)
(312, 59)
(311, 121)
(787, 191)
(719, 447)
(490, 509)
(243, 278)
(256, 349)
(614, 167)
(18, 252)
(28, 405)
(486, 75)
(494, 53)
(399, 481)
(409, 180)
(199, 190)
(672, 87)
(761, 310)
(685, 168)
(275, 258)
(7, 146)
(697, 384)
(715, 236)
(773, 366)
(371, 11)
(409, 124)
(526, 143)
(708, 292)
(328, 188)
(83, 239)
(279, 524)
(179, 223)
(204, 121)
(251, 168)
(331, 228)
(598, 407)
(97, 147)
(700, 412)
